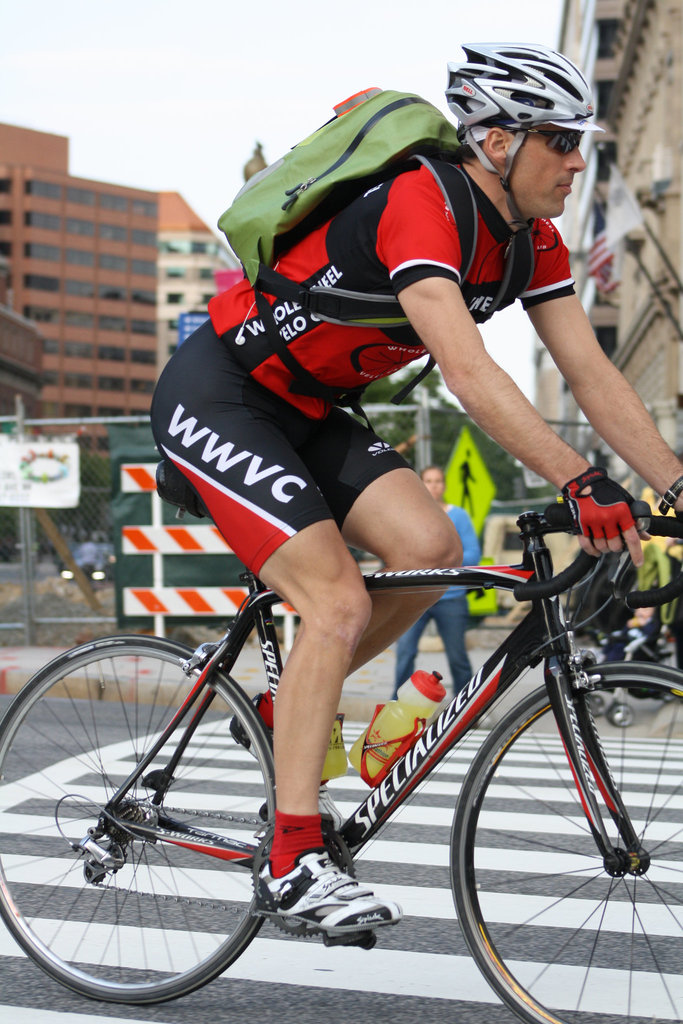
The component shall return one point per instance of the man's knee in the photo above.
(435, 548)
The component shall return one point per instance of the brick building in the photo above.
(21, 356)
(83, 261)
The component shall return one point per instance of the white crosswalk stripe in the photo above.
(419, 859)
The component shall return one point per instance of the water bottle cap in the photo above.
(429, 685)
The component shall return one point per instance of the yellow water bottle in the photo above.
(335, 760)
(395, 726)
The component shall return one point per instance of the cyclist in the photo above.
(291, 480)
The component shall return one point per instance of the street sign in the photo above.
(468, 481)
(188, 323)
(39, 474)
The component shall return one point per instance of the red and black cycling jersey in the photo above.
(395, 234)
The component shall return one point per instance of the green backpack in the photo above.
(372, 137)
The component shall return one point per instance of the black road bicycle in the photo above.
(136, 792)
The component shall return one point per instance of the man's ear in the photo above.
(496, 145)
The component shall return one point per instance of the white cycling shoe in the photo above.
(318, 894)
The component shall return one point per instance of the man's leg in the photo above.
(397, 520)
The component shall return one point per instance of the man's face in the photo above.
(542, 177)
(433, 479)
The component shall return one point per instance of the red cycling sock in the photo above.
(294, 834)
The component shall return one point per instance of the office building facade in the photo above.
(82, 258)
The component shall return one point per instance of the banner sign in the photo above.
(39, 474)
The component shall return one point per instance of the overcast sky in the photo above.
(171, 95)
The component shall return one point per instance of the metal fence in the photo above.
(58, 567)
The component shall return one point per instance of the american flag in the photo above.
(601, 262)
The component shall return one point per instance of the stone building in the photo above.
(632, 50)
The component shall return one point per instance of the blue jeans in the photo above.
(452, 618)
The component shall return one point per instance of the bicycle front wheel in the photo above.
(557, 937)
(136, 920)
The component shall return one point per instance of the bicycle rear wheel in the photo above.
(168, 918)
(557, 937)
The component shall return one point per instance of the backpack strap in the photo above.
(457, 192)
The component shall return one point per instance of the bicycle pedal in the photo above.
(366, 940)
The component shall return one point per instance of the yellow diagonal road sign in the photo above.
(468, 481)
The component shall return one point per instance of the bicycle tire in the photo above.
(557, 938)
(171, 919)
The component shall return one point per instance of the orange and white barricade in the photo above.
(158, 540)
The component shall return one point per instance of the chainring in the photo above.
(338, 851)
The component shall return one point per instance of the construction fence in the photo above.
(121, 561)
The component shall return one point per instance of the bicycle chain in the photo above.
(188, 900)
(216, 815)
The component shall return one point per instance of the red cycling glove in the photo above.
(605, 512)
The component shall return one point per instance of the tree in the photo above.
(447, 419)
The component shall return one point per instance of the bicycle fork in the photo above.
(590, 770)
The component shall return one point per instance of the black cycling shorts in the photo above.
(262, 468)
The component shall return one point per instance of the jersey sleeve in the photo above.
(416, 235)
(552, 277)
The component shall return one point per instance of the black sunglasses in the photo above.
(563, 142)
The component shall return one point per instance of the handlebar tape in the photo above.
(534, 589)
(660, 526)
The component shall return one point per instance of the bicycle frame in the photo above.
(541, 635)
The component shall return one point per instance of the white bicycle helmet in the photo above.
(520, 86)
(516, 86)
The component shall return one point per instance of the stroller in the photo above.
(643, 638)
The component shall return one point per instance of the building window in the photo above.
(143, 237)
(112, 293)
(206, 297)
(174, 298)
(85, 196)
(112, 353)
(74, 318)
(109, 262)
(50, 377)
(77, 411)
(144, 267)
(110, 410)
(80, 257)
(113, 232)
(43, 314)
(111, 323)
(51, 346)
(111, 202)
(74, 226)
(143, 327)
(607, 155)
(78, 349)
(142, 208)
(85, 289)
(206, 274)
(175, 271)
(42, 252)
(47, 189)
(145, 387)
(77, 380)
(143, 297)
(46, 221)
(5, 216)
(607, 337)
(608, 29)
(5, 248)
(40, 283)
(111, 384)
(143, 355)
(5, 185)
(603, 97)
